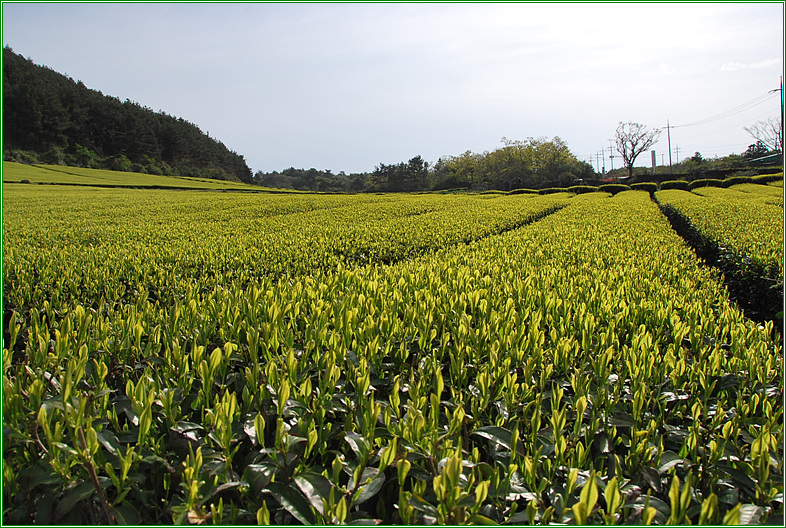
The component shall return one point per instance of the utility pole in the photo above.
(781, 91)
(677, 148)
(668, 134)
(611, 155)
(603, 157)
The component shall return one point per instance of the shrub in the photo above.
(118, 162)
(675, 184)
(54, 156)
(83, 157)
(524, 191)
(613, 188)
(21, 156)
(706, 182)
(580, 189)
(650, 187)
(452, 181)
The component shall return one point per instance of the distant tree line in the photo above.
(50, 118)
(533, 163)
(312, 180)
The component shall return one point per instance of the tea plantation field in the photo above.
(233, 358)
(61, 175)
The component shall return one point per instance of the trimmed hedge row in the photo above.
(767, 178)
(614, 188)
(652, 187)
(581, 189)
(552, 190)
(707, 182)
(674, 184)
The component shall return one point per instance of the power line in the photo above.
(728, 113)
(738, 124)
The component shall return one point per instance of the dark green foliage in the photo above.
(64, 122)
(55, 156)
(756, 150)
(451, 182)
(675, 184)
(581, 189)
(645, 186)
(20, 156)
(409, 176)
(707, 182)
(613, 188)
(312, 180)
(118, 162)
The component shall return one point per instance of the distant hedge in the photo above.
(736, 180)
(552, 190)
(674, 184)
(706, 182)
(650, 187)
(581, 189)
(613, 188)
(766, 178)
(524, 191)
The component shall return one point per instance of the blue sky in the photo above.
(348, 86)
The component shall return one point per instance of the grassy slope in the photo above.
(58, 174)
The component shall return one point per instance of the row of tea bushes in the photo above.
(107, 247)
(740, 231)
(744, 222)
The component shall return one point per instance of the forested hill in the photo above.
(51, 118)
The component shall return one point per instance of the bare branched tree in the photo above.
(769, 132)
(632, 139)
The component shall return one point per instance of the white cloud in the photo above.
(737, 66)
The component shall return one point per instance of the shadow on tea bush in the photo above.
(706, 182)
(613, 188)
(675, 184)
(581, 189)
